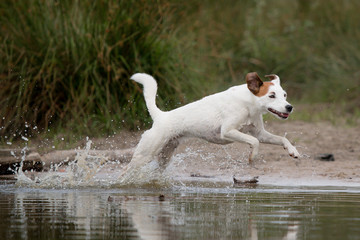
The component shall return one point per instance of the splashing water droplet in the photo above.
(24, 138)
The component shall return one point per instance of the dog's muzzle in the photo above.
(289, 108)
(282, 115)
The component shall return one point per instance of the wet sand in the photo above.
(196, 160)
(211, 162)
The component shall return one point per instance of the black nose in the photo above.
(289, 108)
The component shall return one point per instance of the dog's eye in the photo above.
(272, 96)
(285, 95)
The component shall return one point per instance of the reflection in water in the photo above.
(181, 214)
(61, 215)
(152, 220)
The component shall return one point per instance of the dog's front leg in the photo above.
(266, 137)
(235, 135)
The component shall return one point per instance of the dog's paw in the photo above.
(293, 152)
(253, 156)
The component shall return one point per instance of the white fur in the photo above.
(225, 117)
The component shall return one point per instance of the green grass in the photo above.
(65, 65)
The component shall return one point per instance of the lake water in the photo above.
(183, 212)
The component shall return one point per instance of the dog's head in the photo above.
(271, 96)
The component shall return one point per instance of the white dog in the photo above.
(222, 118)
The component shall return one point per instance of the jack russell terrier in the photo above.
(222, 118)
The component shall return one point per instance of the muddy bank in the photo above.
(197, 160)
(195, 157)
(313, 141)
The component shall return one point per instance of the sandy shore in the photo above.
(222, 162)
(198, 160)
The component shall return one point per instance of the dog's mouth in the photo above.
(279, 114)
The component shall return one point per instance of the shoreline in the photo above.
(274, 167)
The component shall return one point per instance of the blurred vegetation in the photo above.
(65, 65)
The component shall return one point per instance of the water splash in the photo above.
(18, 171)
(147, 175)
(82, 172)
(89, 169)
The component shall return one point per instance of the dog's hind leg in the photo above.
(145, 159)
(154, 145)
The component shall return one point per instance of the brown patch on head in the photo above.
(264, 89)
(253, 82)
(256, 85)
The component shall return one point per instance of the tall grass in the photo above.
(66, 64)
(69, 63)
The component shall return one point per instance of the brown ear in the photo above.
(253, 82)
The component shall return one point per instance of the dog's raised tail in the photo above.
(150, 89)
